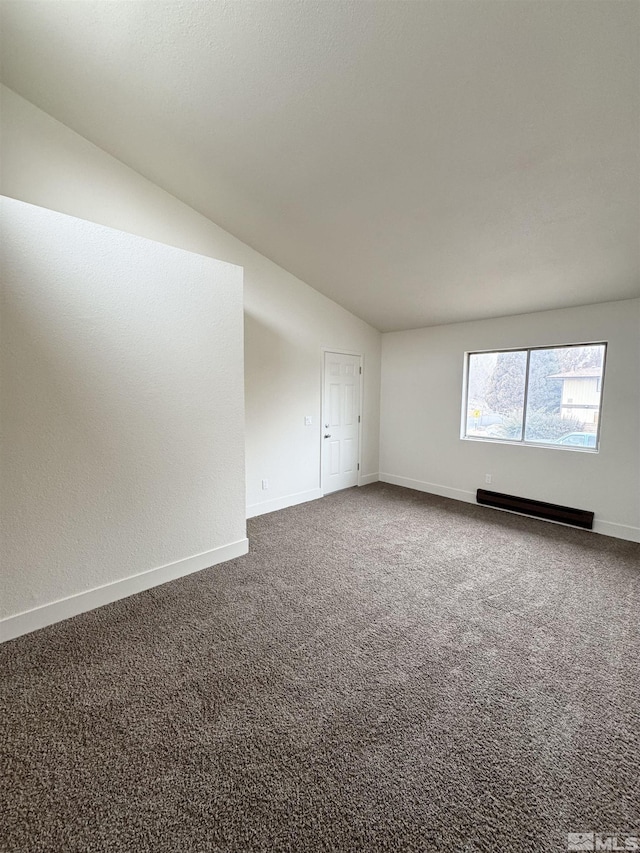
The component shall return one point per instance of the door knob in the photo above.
(326, 435)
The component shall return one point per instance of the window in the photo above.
(541, 395)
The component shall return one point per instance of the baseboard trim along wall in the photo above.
(605, 528)
(264, 507)
(619, 531)
(32, 620)
(282, 503)
(431, 488)
(367, 479)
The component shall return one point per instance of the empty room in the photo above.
(320, 423)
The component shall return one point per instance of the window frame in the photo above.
(522, 441)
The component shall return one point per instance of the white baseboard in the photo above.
(282, 503)
(366, 479)
(81, 602)
(264, 507)
(431, 488)
(620, 531)
(606, 528)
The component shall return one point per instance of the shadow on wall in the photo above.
(267, 354)
(271, 389)
(282, 386)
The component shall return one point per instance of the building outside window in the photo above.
(539, 395)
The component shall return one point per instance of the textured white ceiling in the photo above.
(418, 162)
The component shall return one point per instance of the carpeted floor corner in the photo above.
(385, 671)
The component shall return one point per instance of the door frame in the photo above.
(360, 356)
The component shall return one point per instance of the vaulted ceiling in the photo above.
(419, 162)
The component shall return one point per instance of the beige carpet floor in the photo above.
(385, 671)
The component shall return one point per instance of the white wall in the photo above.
(421, 412)
(122, 414)
(286, 322)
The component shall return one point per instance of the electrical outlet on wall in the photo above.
(307, 420)
(265, 484)
(487, 479)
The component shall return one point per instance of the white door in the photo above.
(340, 421)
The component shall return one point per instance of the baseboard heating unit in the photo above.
(539, 509)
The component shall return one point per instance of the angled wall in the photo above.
(286, 322)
